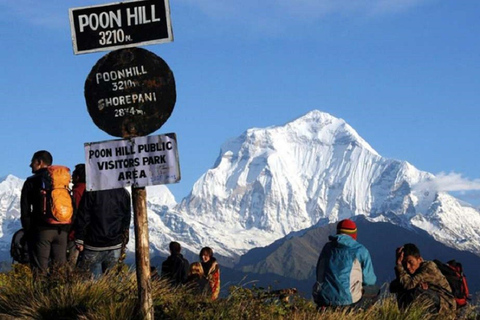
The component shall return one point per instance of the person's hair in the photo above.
(43, 155)
(175, 247)
(409, 249)
(196, 268)
(79, 172)
(206, 250)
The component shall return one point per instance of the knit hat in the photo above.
(347, 226)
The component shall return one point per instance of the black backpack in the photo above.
(453, 272)
(19, 248)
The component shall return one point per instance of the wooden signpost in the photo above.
(130, 93)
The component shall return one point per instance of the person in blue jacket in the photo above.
(345, 275)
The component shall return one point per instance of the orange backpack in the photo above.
(57, 200)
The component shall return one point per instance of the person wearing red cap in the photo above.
(347, 226)
(345, 275)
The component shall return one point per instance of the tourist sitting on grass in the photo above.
(211, 270)
(421, 281)
(196, 280)
(345, 276)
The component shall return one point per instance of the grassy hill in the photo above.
(114, 296)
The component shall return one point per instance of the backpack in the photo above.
(19, 248)
(57, 205)
(453, 272)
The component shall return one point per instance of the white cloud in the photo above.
(451, 182)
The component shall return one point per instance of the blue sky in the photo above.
(404, 73)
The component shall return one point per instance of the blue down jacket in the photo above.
(343, 268)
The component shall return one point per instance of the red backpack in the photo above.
(453, 272)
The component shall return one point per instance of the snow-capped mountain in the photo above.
(270, 182)
(10, 187)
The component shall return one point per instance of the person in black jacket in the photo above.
(175, 268)
(101, 228)
(47, 242)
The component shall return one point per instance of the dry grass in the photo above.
(72, 296)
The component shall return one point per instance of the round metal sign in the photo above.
(130, 92)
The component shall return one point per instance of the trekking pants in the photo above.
(45, 245)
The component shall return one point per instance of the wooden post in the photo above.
(142, 253)
(141, 119)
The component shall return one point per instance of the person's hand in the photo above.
(424, 285)
(399, 255)
(79, 247)
(125, 236)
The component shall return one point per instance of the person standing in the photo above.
(101, 229)
(79, 185)
(344, 270)
(175, 268)
(211, 270)
(47, 241)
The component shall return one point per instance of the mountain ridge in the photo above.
(272, 182)
(296, 257)
(327, 173)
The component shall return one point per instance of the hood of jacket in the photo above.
(343, 240)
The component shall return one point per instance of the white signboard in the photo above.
(137, 162)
